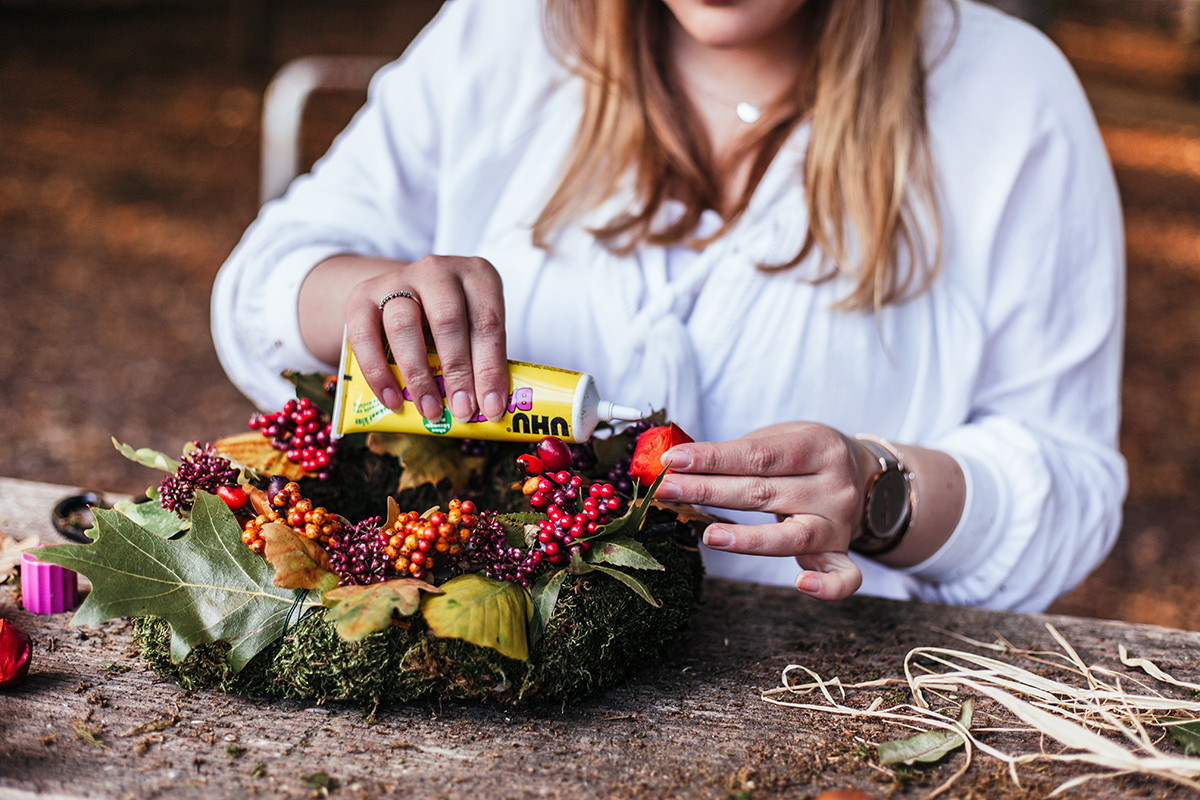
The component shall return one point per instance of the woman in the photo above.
(884, 216)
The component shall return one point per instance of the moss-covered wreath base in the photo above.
(599, 634)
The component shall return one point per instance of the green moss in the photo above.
(600, 634)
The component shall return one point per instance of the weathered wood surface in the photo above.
(92, 721)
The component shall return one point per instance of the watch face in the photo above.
(888, 504)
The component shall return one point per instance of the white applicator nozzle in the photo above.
(608, 411)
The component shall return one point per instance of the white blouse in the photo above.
(1011, 363)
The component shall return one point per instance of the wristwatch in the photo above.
(888, 510)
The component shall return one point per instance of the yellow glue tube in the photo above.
(542, 401)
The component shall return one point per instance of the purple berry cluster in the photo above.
(501, 561)
(200, 469)
(303, 433)
(356, 555)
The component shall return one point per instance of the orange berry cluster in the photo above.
(292, 509)
(415, 543)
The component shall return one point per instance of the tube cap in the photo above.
(47, 588)
(609, 411)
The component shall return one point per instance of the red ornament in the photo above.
(647, 458)
(16, 652)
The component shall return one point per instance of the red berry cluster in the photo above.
(574, 515)
(303, 433)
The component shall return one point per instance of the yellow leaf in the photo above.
(482, 611)
(255, 451)
(359, 611)
(427, 459)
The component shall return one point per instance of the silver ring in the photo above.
(393, 296)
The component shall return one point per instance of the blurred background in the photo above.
(129, 168)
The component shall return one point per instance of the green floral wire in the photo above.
(300, 594)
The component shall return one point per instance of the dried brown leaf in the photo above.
(299, 562)
(255, 451)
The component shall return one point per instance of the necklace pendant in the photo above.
(748, 113)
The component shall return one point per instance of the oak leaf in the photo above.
(206, 584)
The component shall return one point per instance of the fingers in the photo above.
(403, 322)
(489, 347)
(463, 301)
(830, 494)
(444, 301)
(799, 534)
(363, 333)
(455, 305)
(786, 469)
(828, 576)
(752, 455)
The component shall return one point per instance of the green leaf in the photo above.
(515, 526)
(153, 517)
(929, 746)
(359, 611)
(481, 611)
(631, 522)
(638, 587)
(621, 551)
(577, 566)
(545, 593)
(207, 585)
(147, 457)
(1184, 732)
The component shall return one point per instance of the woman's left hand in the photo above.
(809, 475)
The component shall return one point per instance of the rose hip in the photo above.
(554, 453)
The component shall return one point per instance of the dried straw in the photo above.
(1095, 718)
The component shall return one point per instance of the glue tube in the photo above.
(542, 401)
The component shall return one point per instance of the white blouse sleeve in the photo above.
(374, 194)
(1045, 479)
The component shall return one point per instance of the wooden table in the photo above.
(92, 721)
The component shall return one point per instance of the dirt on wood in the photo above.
(93, 721)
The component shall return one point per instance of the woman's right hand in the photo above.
(456, 301)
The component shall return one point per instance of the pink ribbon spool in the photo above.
(47, 588)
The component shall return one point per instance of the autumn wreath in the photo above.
(389, 567)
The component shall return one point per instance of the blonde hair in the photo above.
(868, 173)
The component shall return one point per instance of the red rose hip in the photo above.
(554, 453)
